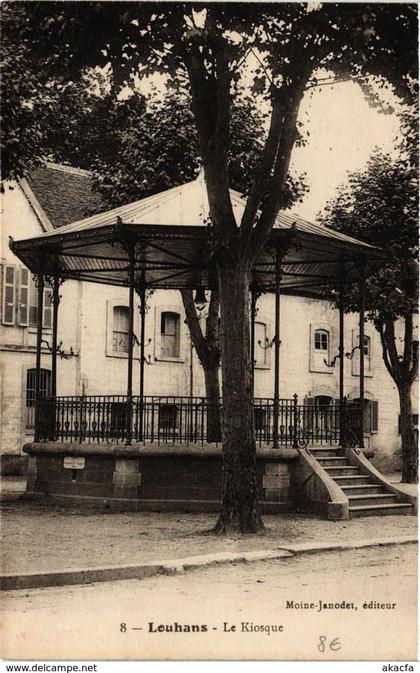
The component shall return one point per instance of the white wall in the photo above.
(17, 343)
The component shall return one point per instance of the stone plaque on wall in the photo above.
(74, 463)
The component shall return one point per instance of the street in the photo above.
(358, 604)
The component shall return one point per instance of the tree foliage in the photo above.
(379, 205)
(26, 98)
(154, 146)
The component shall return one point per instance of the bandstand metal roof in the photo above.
(173, 250)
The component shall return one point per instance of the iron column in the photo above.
(362, 293)
(252, 339)
(55, 302)
(39, 316)
(277, 354)
(341, 357)
(142, 297)
(130, 345)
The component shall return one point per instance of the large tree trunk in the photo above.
(211, 379)
(234, 248)
(410, 467)
(240, 509)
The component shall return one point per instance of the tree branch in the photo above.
(389, 338)
(261, 179)
(223, 80)
(330, 82)
(211, 106)
(380, 327)
(263, 67)
(193, 323)
(213, 317)
(410, 359)
(408, 341)
(414, 369)
(281, 167)
(248, 49)
(206, 347)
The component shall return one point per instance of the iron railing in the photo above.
(188, 420)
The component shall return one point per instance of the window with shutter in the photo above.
(47, 316)
(9, 295)
(367, 414)
(319, 349)
(169, 330)
(120, 329)
(33, 305)
(260, 419)
(374, 416)
(168, 416)
(321, 339)
(23, 311)
(33, 302)
(118, 417)
(308, 413)
(44, 391)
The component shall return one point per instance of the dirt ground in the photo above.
(84, 621)
(45, 537)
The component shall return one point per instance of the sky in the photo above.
(344, 130)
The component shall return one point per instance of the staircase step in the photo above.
(379, 510)
(361, 489)
(373, 499)
(322, 451)
(342, 470)
(332, 461)
(366, 498)
(351, 480)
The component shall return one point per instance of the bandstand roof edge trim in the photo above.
(173, 251)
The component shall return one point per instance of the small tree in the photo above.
(206, 344)
(379, 206)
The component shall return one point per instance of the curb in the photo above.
(52, 578)
(314, 547)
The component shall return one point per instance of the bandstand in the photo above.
(110, 450)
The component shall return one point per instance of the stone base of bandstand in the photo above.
(165, 477)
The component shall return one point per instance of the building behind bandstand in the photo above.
(117, 427)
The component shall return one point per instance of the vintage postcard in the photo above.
(209, 332)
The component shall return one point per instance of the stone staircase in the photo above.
(366, 496)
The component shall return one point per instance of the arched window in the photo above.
(321, 339)
(44, 391)
(120, 322)
(320, 349)
(170, 334)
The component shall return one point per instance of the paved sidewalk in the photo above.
(43, 538)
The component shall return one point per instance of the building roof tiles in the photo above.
(64, 193)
